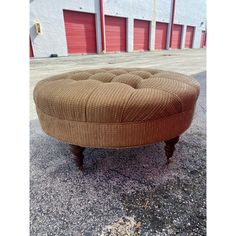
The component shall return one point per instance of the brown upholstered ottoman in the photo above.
(116, 108)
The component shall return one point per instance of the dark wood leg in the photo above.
(170, 148)
(78, 152)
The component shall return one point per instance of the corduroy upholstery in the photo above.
(116, 108)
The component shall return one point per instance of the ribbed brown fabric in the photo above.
(115, 108)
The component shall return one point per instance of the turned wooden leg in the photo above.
(78, 152)
(170, 148)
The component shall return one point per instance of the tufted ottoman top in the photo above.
(98, 107)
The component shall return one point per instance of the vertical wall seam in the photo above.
(98, 27)
(183, 36)
(102, 24)
(172, 20)
(152, 28)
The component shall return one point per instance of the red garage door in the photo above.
(203, 39)
(189, 37)
(30, 48)
(80, 32)
(115, 30)
(176, 36)
(141, 35)
(161, 35)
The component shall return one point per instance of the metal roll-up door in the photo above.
(176, 36)
(203, 39)
(189, 37)
(141, 35)
(161, 35)
(115, 31)
(80, 32)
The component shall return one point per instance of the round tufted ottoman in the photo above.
(116, 107)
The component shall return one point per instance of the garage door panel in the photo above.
(141, 35)
(161, 35)
(203, 39)
(80, 32)
(189, 37)
(115, 30)
(176, 36)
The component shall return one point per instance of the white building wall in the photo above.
(193, 13)
(130, 34)
(163, 8)
(151, 10)
(53, 38)
(50, 15)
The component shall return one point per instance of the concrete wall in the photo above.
(191, 12)
(151, 10)
(50, 16)
(53, 38)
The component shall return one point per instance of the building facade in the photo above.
(65, 27)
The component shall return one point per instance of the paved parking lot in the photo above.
(120, 189)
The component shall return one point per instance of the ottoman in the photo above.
(116, 108)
